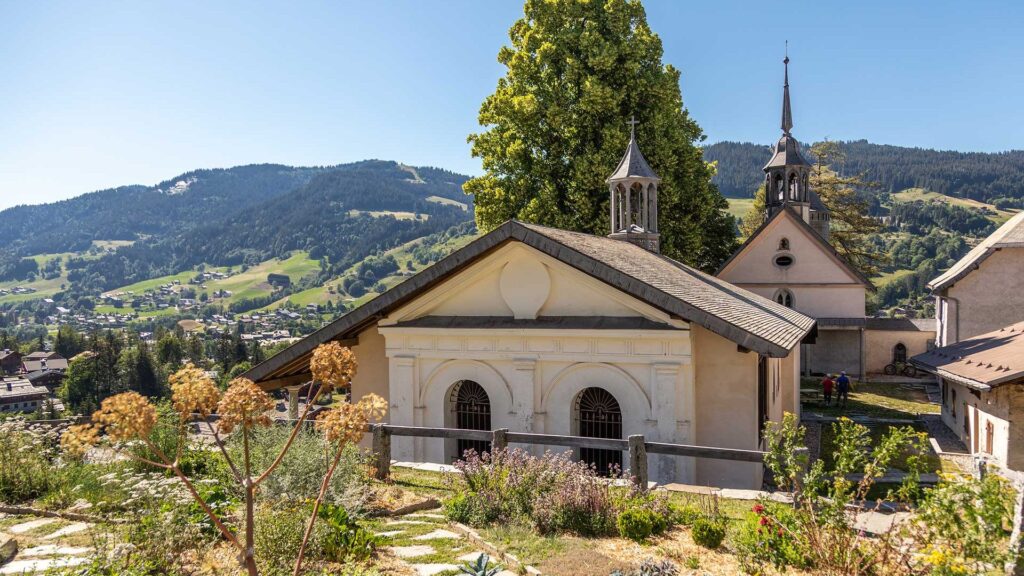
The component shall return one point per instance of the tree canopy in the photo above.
(555, 128)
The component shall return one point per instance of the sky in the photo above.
(101, 94)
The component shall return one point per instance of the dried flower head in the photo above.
(347, 423)
(126, 416)
(79, 438)
(244, 404)
(333, 365)
(193, 392)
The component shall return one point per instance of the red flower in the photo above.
(763, 521)
(758, 508)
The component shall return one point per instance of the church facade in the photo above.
(789, 260)
(537, 329)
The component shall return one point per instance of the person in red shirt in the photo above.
(826, 387)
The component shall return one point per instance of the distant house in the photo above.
(10, 361)
(43, 361)
(49, 378)
(280, 280)
(982, 292)
(982, 381)
(20, 395)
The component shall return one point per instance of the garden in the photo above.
(136, 492)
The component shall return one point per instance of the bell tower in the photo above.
(634, 198)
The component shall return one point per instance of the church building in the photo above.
(789, 260)
(537, 329)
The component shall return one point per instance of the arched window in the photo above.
(471, 410)
(598, 415)
(784, 244)
(784, 297)
(899, 354)
(794, 187)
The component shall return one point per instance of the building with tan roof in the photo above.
(982, 381)
(536, 329)
(982, 291)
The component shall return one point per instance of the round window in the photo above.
(783, 260)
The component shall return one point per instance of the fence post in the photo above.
(638, 461)
(382, 451)
(498, 440)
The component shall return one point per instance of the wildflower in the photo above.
(347, 422)
(758, 508)
(244, 404)
(193, 392)
(126, 416)
(333, 365)
(763, 521)
(79, 438)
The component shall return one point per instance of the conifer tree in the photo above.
(555, 128)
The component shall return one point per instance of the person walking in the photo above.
(843, 388)
(826, 388)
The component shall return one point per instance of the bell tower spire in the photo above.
(787, 113)
(787, 174)
(634, 197)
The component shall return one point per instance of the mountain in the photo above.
(995, 178)
(339, 215)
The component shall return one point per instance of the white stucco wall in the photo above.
(821, 286)
(987, 299)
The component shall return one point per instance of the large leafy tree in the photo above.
(555, 128)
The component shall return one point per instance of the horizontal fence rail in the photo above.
(637, 446)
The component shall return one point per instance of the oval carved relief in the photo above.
(525, 285)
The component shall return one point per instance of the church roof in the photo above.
(980, 362)
(787, 153)
(633, 164)
(1009, 235)
(813, 233)
(749, 320)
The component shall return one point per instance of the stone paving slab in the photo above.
(68, 530)
(412, 551)
(471, 557)
(878, 523)
(41, 565)
(53, 549)
(431, 569)
(406, 523)
(439, 534)
(30, 525)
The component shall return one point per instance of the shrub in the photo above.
(343, 539)
(462, 508)
(685, 514)
(303, 468)
(768, 535)
(579, 502)
(279, 531)
(708, 532)
(636, 523)
(26, 456)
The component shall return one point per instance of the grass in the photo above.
(739, 207)
(397, 215)
(876, 400)
(887, 277)
(447, 202)
(991, 212)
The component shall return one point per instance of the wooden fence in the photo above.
(637, 446)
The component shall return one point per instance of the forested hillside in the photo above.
(995, 178)
(238, 216)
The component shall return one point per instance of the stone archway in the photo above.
(597, 414)
(470, 409)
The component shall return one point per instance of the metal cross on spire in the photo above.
(632, 126)
(787, 113)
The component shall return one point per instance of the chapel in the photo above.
(789, 259)
(537, 329)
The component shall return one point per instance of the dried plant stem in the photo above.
(224, 452)
(291, 438)
(173, 466)
(250, 528)
(316, 508)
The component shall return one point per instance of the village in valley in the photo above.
(616, 349)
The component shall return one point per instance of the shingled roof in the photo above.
(1009, 235)
(981, 362)
(751, 321)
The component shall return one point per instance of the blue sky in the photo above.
(100, 94)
